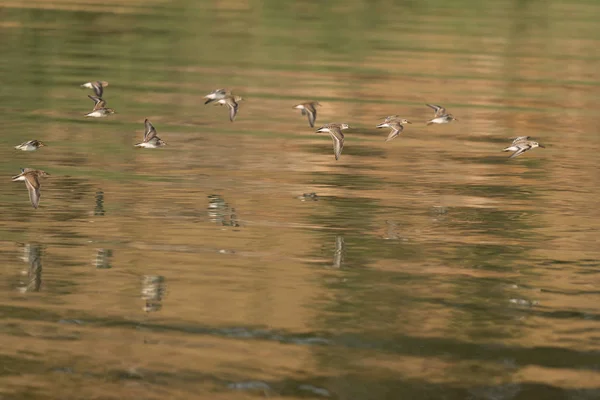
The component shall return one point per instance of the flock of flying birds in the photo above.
(31, 177)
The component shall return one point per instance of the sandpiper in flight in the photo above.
(100, 110)
(440, 117)
(151, 141)
(232, 103)
(31, 179)
(31, 145)
(335, 131)
(309, 109)
(522, 144)
(395, 124)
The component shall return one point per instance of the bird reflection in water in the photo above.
(153, 290)
(339, 252)
(99, 209)
(391, 230)
(102, 260)
(220, 212)
(308, 197)
(32, 255)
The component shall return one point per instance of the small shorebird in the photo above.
(440, 116)
(335, 131)
(100, 110)
(231, 102)
(395, 125)
(31, 145)
(216, 95)
(522, 144)
(309, 109)
(98, 87)
(31, 178)
(151, 141)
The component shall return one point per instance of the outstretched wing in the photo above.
(312, 116)
(396, 131)
(33, 187)
(98, 88)
(519, 139)
(439, 110)
(338, 141)
(150, 132)
(98, 102)
(233, 109)
(521, 149)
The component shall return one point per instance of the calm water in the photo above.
(429, 267)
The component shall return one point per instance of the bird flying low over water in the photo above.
(31, 145)
(100, 110)
(440, 115)
(31, 179)
(151, 141)
(232, 102)
(522, 144)
(335, 131)
(395, 124)
(309, 108)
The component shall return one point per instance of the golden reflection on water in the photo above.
(426, 267)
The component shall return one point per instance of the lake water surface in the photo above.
(428, 267)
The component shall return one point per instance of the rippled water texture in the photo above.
(428, 267)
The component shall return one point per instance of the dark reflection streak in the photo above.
(99, 208)
(552, 357)
(368, 299)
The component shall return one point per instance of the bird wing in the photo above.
(396, 131)
(522, 148)
(338, 141)
(98, 102)
(98, 88)
(149, 132)
(233, 109)
(520, 139)
(439, 110)
(312, 116)
(33, 187)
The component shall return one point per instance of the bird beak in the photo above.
(42, 144)
(409, 122)
(542, 146)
